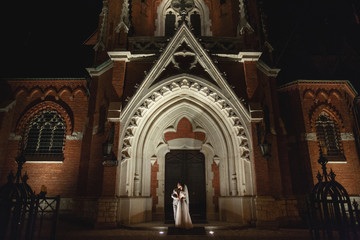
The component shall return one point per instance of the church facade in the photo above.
(180, 91)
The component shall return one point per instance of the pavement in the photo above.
(158, 230)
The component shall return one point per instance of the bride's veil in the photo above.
(187, 194)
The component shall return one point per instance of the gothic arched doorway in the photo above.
(187, 166)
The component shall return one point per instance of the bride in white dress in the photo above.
(183, 219)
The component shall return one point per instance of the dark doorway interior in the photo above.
(187, 166)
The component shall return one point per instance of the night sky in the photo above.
(45, 38)
(313, 39)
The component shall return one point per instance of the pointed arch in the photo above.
(36, 92)
(328, 108)
(328, 135)
(50, 91)
(322, 95)
(335, 93)
(22, 91)
(200, 7)
(80, 92)
(35, 108)
(65, 90)
(212, 108)
(309, 94)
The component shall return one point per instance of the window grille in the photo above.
(45, 134)
(328, 135)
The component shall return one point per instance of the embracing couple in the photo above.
(180, 198)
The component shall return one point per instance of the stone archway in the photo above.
(226, 146)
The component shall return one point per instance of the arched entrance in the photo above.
(219, 130)
(188, 167)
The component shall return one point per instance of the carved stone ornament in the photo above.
(310, 137)
(153, 159)
(216, 160)
(182, 6)
(348, 136)
(75, 136)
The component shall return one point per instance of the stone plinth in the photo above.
(273, 213)
(237, 209)
(134, 210)
(107, 210)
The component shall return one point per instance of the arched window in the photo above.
(169, 17)
(45, 135)
(328, 135)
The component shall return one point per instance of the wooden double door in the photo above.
(188, 167)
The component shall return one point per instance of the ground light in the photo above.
(161, 232)
(211, 232)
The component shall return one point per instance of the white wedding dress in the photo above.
(183, 219)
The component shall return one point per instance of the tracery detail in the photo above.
(328, 135)
(197, 87)
(45, 134)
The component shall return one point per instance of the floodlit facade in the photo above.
(180, 91)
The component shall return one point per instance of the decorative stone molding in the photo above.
(316, 87)
(103, 27)
(329, 108)
(114, 111)
(172, 87)
(126, 56)
(160, 102)
(99, 70)
(184, 37)
(124, 18)
(49, 87)
(243, 26)
(216, 160)
(153, 159)
(310, 137)
(43, 106)
(185, 143)
(14, 137)
(241, 56)
(200, 7)
(348, 136)
(270, 72)
(8, 107)
(75, 136)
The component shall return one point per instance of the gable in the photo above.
(183, 55)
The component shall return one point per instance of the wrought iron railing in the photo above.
(24, 214)
(331, 215)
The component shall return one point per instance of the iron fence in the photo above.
(331, 215)
(24, 214)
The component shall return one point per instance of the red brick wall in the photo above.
(69, 95)
(335, 98)
(184, 130)
(216, 185)
(272, 175)
(154, 185)
(251, 78)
